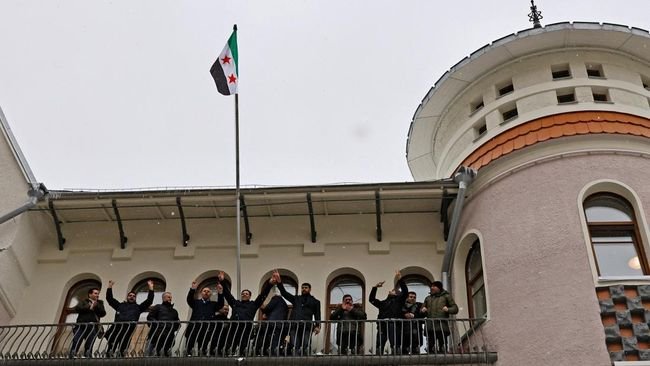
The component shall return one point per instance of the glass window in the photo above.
(614, 236)
(475, 284)
(419, 285)
(141, 290)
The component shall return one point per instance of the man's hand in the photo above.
(409, 315)
(445, 309)
(150, 284)
(423, 309)
(221, 276)
(398, 274)
(276, 275)
(316, 330)
(219, 289)
(272, 280)
(110, 283)
(379, 284)
(194, 285)
(347, 306)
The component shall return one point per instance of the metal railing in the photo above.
(417, 341)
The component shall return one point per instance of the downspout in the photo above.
(35, 194)
(464, 177)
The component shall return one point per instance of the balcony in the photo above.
(458, 341)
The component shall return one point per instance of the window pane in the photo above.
(474, 265)
(607, 209)
(420, 287)
(617, 259)
(352, 288)
(478, 300)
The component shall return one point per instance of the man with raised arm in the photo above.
(243, 312)
(390, 309)
(119, 335)
(305, 309)
(204, 312)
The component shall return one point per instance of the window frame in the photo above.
(631, 228)
(469, 282)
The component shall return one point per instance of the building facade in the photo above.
(547, 245)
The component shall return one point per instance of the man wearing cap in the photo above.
(437, 307)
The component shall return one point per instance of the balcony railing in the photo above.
(416, 342)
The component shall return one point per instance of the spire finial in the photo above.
(535, 16)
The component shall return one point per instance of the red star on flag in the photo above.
(225, 60)
(232, 78)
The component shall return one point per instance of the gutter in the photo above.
(35, 195)
(464, 177)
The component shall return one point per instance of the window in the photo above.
(560, 72)
(600, 95)
(477, 105)
(510, 114)
(77, 293)
(480, 128)
(614, 236)
(339, 286)
(141, 290)
(565, 96)
(474, 283)
(595, 71)
(418, 284)
(505, 88)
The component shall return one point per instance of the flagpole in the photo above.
(237, 193)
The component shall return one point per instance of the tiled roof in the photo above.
(557, 126)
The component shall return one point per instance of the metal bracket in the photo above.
(57, 225)
(378, 214)
(123, 239)
(249, 235)
(186, 236)
(312, 223)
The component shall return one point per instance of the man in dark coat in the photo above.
(270, 336)
(201, 324)
(243, 312)
(390, 308)
(119, 335)
(349, 335)
(412, 327)
(90, 311)
(221, 339)
(165, 324)
(305, 309)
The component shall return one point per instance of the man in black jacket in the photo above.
(390, 308)
(270, 335)
(119, 335)
(165, 323)
(305, 308)
(349, 332)
(243, 312)
(90, 311)
(201, 324)
(412, 329)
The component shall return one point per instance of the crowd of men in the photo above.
(225, 327)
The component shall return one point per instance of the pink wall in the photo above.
(542, 297)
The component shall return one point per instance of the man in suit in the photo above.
(90, 310)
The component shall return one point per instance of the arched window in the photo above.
(77, 293)
(141, 290)
(475, 285)
(614, 236)
(211, 283)
(339, 286)
(418, 284)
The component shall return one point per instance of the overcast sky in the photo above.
(117, 94)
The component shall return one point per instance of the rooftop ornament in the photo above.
(535, 15)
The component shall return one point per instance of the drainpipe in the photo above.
(36, 193)
(464, 177)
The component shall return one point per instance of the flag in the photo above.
(224, 71)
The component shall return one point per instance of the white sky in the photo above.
(117, 94)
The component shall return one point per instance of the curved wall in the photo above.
(542, 304)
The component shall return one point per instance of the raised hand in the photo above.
(221, 276)
(194, 285)
(150, 284)
(398, 274)
(379, 284)
(110, 283)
